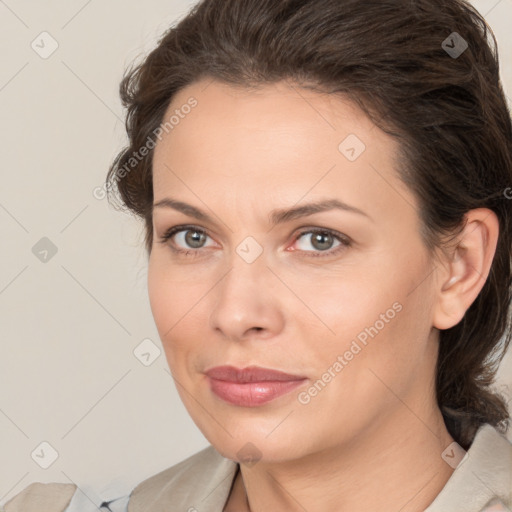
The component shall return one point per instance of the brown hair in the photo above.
(392, 58)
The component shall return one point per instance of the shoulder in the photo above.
(39, 497)
(490, 458)
(482, 480)
(205, 474)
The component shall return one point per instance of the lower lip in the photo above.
(252, 394)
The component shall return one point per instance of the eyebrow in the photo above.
(277, 216)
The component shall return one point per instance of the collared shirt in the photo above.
(111, 498)
(481, 482)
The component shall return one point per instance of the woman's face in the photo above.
(256, 287)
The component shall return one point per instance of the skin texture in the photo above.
(372, 437)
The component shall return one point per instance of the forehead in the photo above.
(271, 110)
(279, 138)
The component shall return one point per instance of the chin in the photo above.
(252, 444)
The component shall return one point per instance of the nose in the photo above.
(247, 302)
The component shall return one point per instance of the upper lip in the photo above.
(250, 374)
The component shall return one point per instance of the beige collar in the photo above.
(202, 482)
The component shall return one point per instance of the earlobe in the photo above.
(465, 269)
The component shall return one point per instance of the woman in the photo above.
(325, 187)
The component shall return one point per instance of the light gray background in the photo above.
(69, 326)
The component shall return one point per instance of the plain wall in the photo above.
(69, 325)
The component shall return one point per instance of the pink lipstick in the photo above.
(251, 386)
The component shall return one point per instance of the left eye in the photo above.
(322, 240)
(319, 240)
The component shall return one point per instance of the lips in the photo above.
(250, 374)
(252, 386)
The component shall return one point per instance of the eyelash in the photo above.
(346, 242)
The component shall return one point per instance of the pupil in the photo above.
(319, 237)
(191, 240)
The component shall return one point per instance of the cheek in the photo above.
(349, 302)
(178, 306)
(371, 319)
(159, 298)
(385, 351)
(168, 300)
(171, 295)
(359, 381)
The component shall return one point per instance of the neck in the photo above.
(395, 465)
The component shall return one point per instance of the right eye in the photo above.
(188, 239)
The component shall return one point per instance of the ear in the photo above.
(466, 267)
